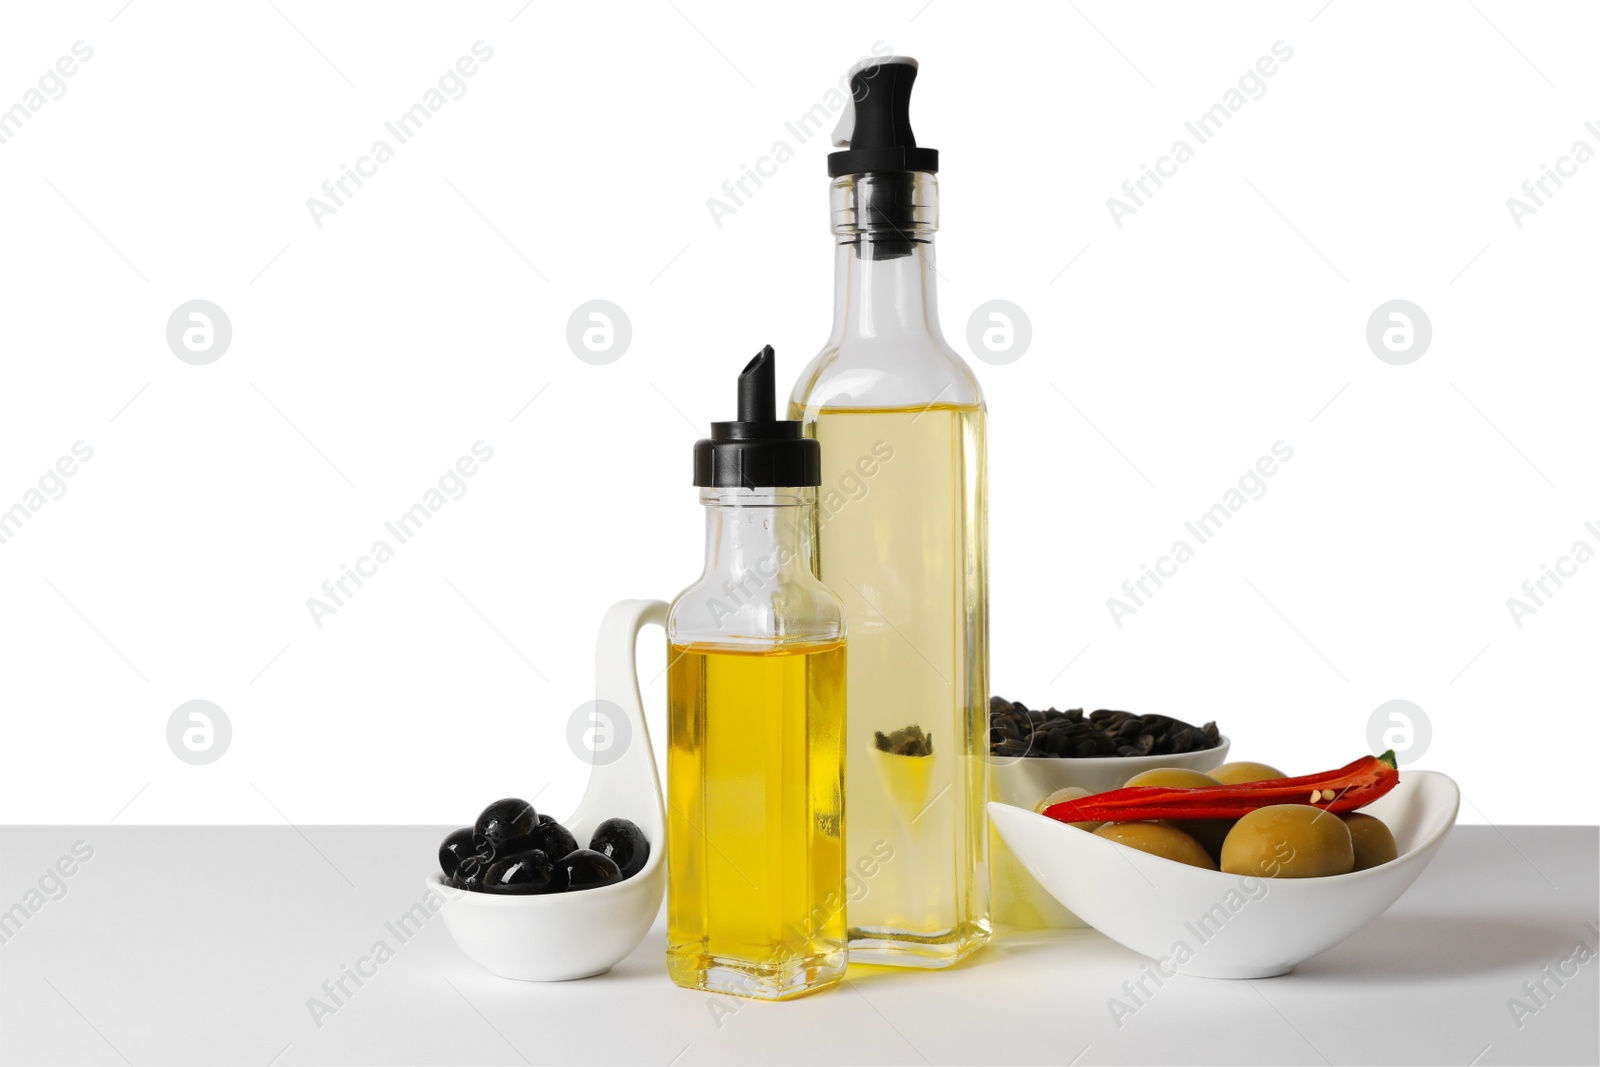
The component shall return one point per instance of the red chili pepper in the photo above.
(1352, 786)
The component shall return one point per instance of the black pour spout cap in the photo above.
(758, 450)
(875, 130)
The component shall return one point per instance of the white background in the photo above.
(424, 315)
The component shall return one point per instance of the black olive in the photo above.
(526, 872)
(624, 843)
(586, 869)
(470, 874)
(553, 839)
(504, 824)
(455, 847)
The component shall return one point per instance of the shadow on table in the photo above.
(1440, 946)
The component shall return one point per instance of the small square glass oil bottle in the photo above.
(756, 717)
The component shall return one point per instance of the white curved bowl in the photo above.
(558, 936)
(1016, 899)
(1215, 925)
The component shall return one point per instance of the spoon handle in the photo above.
(623, 781)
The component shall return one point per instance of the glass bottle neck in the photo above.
(758, 590)
(757, 536)
(884, 275)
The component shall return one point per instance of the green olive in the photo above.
(1158, 839)
(1288, 841)
(1209, 832)
(1239, 773)
(1374, 844)
(1071, 792)
(1172, 778)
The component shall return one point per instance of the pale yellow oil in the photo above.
(901, 540)
(755, 790)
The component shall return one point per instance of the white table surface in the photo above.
(203, 945)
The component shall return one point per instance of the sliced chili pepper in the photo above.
(1352, 786)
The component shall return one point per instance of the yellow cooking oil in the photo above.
(755, 791)
(900, 539)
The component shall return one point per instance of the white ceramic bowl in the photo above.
(561, 936)
(1215, 925)
(1016, 898)
(579, 934)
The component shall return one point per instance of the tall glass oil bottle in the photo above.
(756, 718)
(901, 538)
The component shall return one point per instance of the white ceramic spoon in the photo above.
(559, 936)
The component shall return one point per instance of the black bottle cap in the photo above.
(758, 450)
(876, 129)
